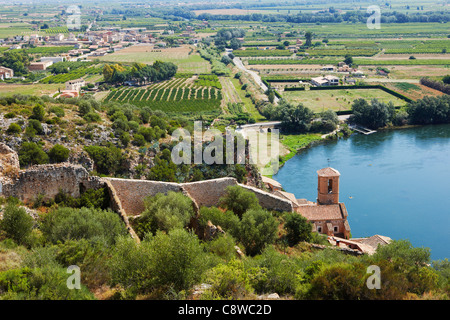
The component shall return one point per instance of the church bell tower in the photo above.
(328, 186)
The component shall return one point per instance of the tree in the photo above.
(17, 224)
(348, 60)
(226, 60)
(239, 200)
(235, 44)
(295, 118)
(36, 126)
(16, 60)
(58, 153)
(403, 250)
(446, 79)
(30, 153)
(228, 221)
(258, 228)
(297, 228)
(308, 36)
(374, 115)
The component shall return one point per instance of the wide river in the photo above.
(394, 183)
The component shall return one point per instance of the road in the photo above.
(238, 63)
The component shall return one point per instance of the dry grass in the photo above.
(184, 57)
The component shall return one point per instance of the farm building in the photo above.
(6, 73)
(75, 85)
(39, 66)
(325, 81)
(52, 59)
(328, 68)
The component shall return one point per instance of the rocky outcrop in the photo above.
(9, 164)
(82, 158)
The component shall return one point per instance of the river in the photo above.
(394, 183)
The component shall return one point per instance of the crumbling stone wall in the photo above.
(49, 180)
(128, 194)
(208, 192)
(132, 192)
(270, 201)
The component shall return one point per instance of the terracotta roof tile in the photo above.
(320, 212)
(328, 172)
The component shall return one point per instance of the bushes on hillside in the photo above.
(165, 212)
(239, 200)
(65, 224)
(166, 262)
(17, 224)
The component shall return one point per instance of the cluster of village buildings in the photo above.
(91, 43)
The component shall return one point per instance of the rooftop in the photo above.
(328, 172)
(321, 212)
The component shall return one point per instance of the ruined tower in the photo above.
(328, 186)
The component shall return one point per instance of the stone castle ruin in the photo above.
(126, 196)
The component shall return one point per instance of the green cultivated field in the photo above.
(337, 100)
(174, 96)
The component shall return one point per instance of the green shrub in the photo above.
(282, 274)
(223, 246)
(17, 224)
(91, 198)
(228, 221)
(14, 128)
(107, 160)
(228, 281)
(39, 284)
(58, 153)
(38, 113)
(36, 125)
(65, 224)
(92, 117)
(258, 228)
(30, 153)
(58, 111)
(297, 228)
(239, 200)
(165, 212)
(175, 260)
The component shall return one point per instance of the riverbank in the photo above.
(388, 179)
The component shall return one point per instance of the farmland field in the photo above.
(30, 89)
(79, 70)
(185, 57)
(337, 100)
(178, 95)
